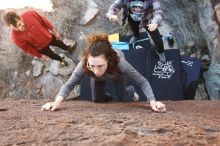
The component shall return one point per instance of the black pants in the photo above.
(123, 91)
(155, 35)
(48, 52)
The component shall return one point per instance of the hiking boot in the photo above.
(63, 62)
(161, 56)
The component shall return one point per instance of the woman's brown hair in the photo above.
(98, 44)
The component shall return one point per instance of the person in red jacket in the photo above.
(34, 34)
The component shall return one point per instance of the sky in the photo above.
(44, 5)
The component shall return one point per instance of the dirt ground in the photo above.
(84, 123)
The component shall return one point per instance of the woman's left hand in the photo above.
(152, 26)
(157, 106)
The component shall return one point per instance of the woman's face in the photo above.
(98, 65)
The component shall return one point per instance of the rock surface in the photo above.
(83, 123)
(38, 68)
(57, 69)
(91, 12)
(210, 25)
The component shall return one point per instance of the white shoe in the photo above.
(135, 97)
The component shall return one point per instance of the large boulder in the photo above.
(91, 12)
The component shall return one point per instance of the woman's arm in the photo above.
(75, 78)
(142, 82)
(53, 105)
(114, 9)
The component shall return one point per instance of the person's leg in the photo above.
(155, 35)
(158, 41)
(120, 87)
(98, 91)
(58, 43)
(124, 92)
(48, 52)
(130, 92)
(134, 25)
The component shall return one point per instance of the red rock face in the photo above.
(84, 123)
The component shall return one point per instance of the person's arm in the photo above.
(64, 91)
(114, 9)
(46, 23)
(43, 20)
(56, 33)
(27, 48)
(74, 79)
(157, 12)
(142, 82)
(157, 16)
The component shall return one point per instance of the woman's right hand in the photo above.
(52, 105)
(157, 106)
(111, 17)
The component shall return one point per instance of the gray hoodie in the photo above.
(125, 69)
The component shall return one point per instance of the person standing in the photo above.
(145, 12)
(34, 34)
